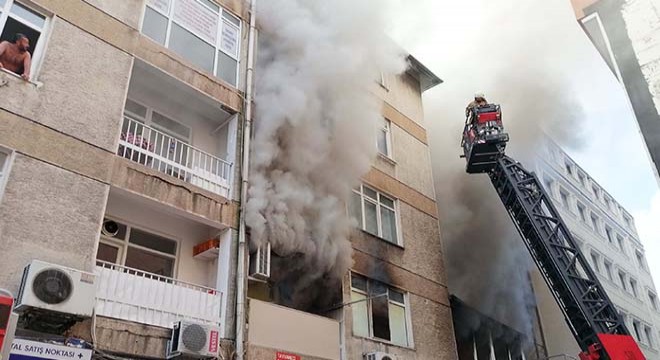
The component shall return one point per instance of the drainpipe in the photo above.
(241, 278)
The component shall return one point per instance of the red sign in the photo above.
(285, 356)
(213, 343)
(6, 304)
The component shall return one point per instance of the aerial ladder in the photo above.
(590, 314)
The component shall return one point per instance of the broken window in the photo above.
(200, 31)
(375, 213)
(379, 311)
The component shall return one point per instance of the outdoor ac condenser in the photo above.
(191, 339)
(56, 288)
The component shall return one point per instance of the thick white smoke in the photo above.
(315, 132)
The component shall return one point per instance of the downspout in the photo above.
(241, 278)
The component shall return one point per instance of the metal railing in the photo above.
(138, 296)
(165, 153)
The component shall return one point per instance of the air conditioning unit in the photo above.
(379, 356)
(56, 288)
(260, 262)
(190, 339)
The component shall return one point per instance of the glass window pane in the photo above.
(370, 193)
(231, 18)
(149, 262)
(107, 253)
(151, 241)
(171, 126)
(388, 222)
(360, 314)
(29, 15)
(398, 331)
(355, 208)
(135, 108)
(386, 201)
(211, 4)
(396, 296)
(154, 25)
(382, 142)
(358, 282)
(227, 68)
(370, 218)
(192, 48)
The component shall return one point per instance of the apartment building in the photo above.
(608, 239)
(394, 301)
(626, 33)
(118, 158)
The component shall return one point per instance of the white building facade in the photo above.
(608, 238)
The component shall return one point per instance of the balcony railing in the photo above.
(138, 296)
(165, 153)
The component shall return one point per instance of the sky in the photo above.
(474, 44)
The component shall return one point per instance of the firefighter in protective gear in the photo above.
(479, 100)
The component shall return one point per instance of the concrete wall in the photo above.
(50, 214)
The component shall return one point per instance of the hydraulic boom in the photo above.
(588, 311)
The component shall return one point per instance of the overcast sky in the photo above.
(469, 43)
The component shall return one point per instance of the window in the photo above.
(548, 185)
(375, 213)
(564, 198)
(608, 233)
(155, 119)
(594, 222)
(622, 280)
(18, 18)
(653, 300)
(595, 262)
(199, 30)
(608, 202)
(649, 336)
(633, 287)
(5, 156)
(384, 141)
(582, 211)
(621, 243)
(138, 249)
(379, 311)
(595, 190)
(382, 80)
(581, 177)
(638, 331)
(608, 269)
(569, 168)
(640, 259)
(628, 221)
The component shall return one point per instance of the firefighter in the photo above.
(479, 100)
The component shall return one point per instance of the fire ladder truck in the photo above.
(590, 314)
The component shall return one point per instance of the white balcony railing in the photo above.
(138, 296)
(157, 150)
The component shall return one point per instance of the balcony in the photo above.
(142, 297)
(157, 150)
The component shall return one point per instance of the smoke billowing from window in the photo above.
(314, 135)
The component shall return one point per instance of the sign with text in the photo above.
(34, 350)
(229, 40)
(161, 5)
(197, 18)
(286, 356)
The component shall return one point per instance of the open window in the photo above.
(16, 17)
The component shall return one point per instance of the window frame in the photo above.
(608, 266)
(582, 211)
(44, 32)
(5, 168)
(124, 244)
(368, 301)
(595, 259)
(387, 129)
(595, 222)
(217, 47)
(363, 197)
(653, 299)
(147, 120)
